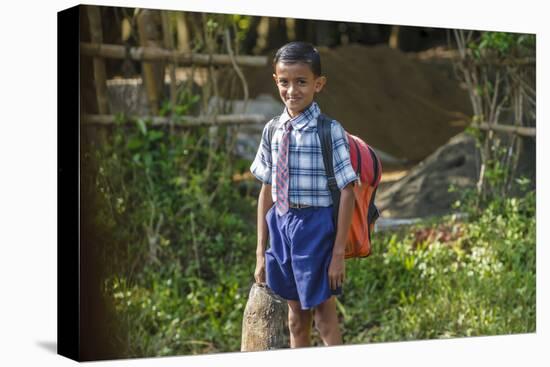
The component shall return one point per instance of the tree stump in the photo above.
(265, 321)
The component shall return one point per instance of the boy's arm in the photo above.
(345, 212)
(345, 177)
(265, 201)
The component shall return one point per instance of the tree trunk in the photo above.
(251, 36)
(153, 72)
(371, 34)
(265, 324)
(184, 36)
(394, 37)
(169, 44)
(100, 74)
(300, 29)
(326, 33)
(277, 33)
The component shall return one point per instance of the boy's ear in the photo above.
(275, 78)
(320, 83)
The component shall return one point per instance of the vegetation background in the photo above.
(171, 236)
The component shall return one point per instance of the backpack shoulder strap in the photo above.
(325, 138)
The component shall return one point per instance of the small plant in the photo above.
(498, 70)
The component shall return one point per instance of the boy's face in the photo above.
(297, 85)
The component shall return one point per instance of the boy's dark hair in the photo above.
(299, 52)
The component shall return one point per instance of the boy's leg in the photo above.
(299, 325)
(326, 321)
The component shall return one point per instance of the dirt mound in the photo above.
(398, 104)
(424, 190)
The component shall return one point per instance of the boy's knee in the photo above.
(298, 327)
(326, 320)
(323, 326)
(299, 323)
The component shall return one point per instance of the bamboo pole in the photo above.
(183, 32)
(160, 54)
(519, 130)
(394, 37)
(100, 73)
(178, 121)
(145, 28)
(169, 44)
(517, 61)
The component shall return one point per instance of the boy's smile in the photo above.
(297, 85)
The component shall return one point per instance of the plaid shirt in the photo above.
(307, 175)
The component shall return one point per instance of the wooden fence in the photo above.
(148, 54)
(510, 129)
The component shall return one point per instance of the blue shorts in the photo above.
(299, 255)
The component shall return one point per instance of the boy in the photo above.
(305, 261)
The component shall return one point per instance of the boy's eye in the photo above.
(285, 82)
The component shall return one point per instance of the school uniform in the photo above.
(302, 238)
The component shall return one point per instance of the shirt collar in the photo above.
(305, 118)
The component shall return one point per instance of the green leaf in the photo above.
(142, 126)
(165, 108)
(155, 134)
(119, 118)
(134, 143)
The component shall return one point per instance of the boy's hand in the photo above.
(264, 203)
(259, 273)
(336, 271)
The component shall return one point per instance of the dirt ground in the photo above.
(402, 104)
(423, 190)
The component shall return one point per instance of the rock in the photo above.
(249, 136)
(265, 321)
(127, 96)
(424, 190)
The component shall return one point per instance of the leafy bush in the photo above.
(479, 281)
(178, 264)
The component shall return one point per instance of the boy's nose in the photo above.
(290, 89)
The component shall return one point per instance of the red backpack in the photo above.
(368, 167)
